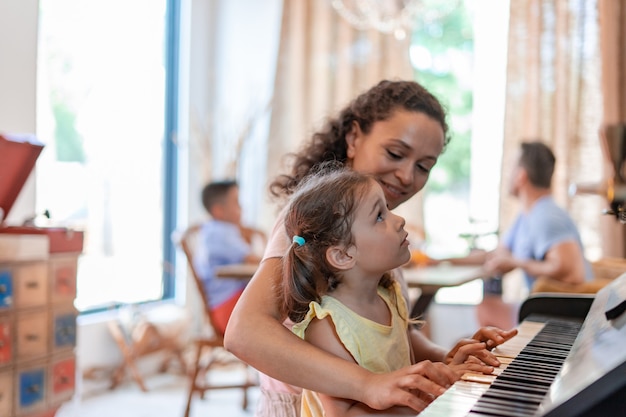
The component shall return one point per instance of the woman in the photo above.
(395, 132)
(337, 286)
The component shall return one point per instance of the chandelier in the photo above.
(386, 16)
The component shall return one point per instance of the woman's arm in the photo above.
(321, 333)
(256, 335)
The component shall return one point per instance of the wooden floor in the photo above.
(166, 395)
(165, 398)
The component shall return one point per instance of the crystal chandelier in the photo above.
(395, 17)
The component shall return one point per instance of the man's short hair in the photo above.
(538, 161)
(215, 192)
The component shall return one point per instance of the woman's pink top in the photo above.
(277, 246)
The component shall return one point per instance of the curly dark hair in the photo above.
(321, 211)
(376, 104)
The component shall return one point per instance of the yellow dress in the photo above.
(374, 346)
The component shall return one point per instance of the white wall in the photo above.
(226, 73)
(231, 65)
(18, 60)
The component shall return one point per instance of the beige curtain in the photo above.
(323, 63)
(613, 52)
(553, 93)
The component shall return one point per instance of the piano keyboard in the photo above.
(530, 362)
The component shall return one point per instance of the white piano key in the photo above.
(459, 399)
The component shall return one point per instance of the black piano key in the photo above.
(544, 369)
(507, 397)
(512, 409)
(547, 365)
(559, 348)
(546, 353)
(540, 359)
(533, 363)
(521, 386)
(527, 379)
(502, 384)
(552, 344)
(536, 370)
(510, 395)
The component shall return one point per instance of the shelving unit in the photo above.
(37, 322)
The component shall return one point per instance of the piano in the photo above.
(569, 359)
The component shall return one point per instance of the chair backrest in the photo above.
(188, 243)
(608, 268)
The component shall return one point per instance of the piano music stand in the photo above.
(556, 305)
(592, 380)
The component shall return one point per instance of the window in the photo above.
(456, 56)
(105, 103)
(460, 55)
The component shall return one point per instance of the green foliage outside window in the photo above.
(69, 144)
(443, 64)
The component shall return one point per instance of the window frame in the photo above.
(170, 184)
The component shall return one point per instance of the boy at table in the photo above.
(223, 241)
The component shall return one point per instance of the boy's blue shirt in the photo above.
(220, 243)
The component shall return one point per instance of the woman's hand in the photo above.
(479, 347)
(413, 386)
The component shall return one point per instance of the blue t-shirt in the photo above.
(220, 243)
(535, 232)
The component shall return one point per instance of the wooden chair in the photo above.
(210, 350)
(138, 340)
(605, 270)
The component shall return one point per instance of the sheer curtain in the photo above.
(324, 62)
(553, 93)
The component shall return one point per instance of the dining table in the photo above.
(240, 271)
(430, 279)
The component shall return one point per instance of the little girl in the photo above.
(336, 284)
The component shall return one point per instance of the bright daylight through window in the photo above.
(101, 92)
(458, 50)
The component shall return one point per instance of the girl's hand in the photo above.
(479, 347)
(473, 366)
(413, 386)
(471, 356)
(493, 336)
